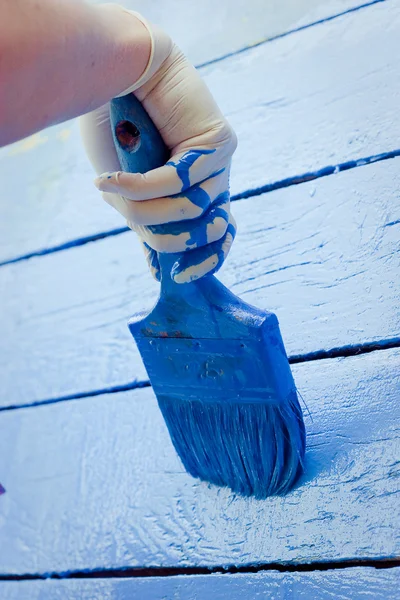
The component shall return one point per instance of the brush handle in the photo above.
(140, 148)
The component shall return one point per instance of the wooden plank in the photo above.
(347, 584)
(298, 104)
(322, 255)
(95, 483)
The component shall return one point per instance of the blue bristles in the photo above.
(255, 449)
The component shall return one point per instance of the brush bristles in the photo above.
(255, 449)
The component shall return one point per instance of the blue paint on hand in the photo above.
(184, 163)
(197, 228)
(198, 248)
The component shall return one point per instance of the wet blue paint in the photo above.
(185, 162)
(212, 364)
(154, 262)
(197, 228)
(197, 195)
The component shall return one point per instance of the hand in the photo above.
(184, 205)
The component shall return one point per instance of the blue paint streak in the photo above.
(198, 256)
(154, 262)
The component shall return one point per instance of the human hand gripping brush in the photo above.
(217, 365)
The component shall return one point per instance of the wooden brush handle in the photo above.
(139, 145)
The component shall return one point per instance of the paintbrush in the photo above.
(217, 364)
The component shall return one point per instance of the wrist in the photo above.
(132, 41)
(161, 46)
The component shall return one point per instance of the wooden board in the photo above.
(208, 30)
(298, 104)
(346, 584)
(95, 483)
(322, 255)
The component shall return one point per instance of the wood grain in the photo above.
(95, 483)
(346, 584)
(315, 98)
(322, 255)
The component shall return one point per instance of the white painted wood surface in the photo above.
(207, 30)
(315, 98)
(95, 483)
(322, 255)
(346, 584)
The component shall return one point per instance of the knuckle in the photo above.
(226, 136)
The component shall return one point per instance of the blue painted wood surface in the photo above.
(323, 256)
(302, 94)
(349, 584)
(95, 483)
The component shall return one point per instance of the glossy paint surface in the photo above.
(96, 483)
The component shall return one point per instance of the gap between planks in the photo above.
(342, 352)
(251, 193)
(175, 571)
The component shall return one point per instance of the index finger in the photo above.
(177, 175)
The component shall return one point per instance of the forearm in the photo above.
(62, 58)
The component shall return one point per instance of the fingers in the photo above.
(196, 263)
(206, 260)
(176, 176)
(182, 236)
(180, 207)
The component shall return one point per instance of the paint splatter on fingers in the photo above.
(183, 236)
(176, 176)
(206, 260)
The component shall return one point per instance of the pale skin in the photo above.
(60, 59)
(53, 57)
